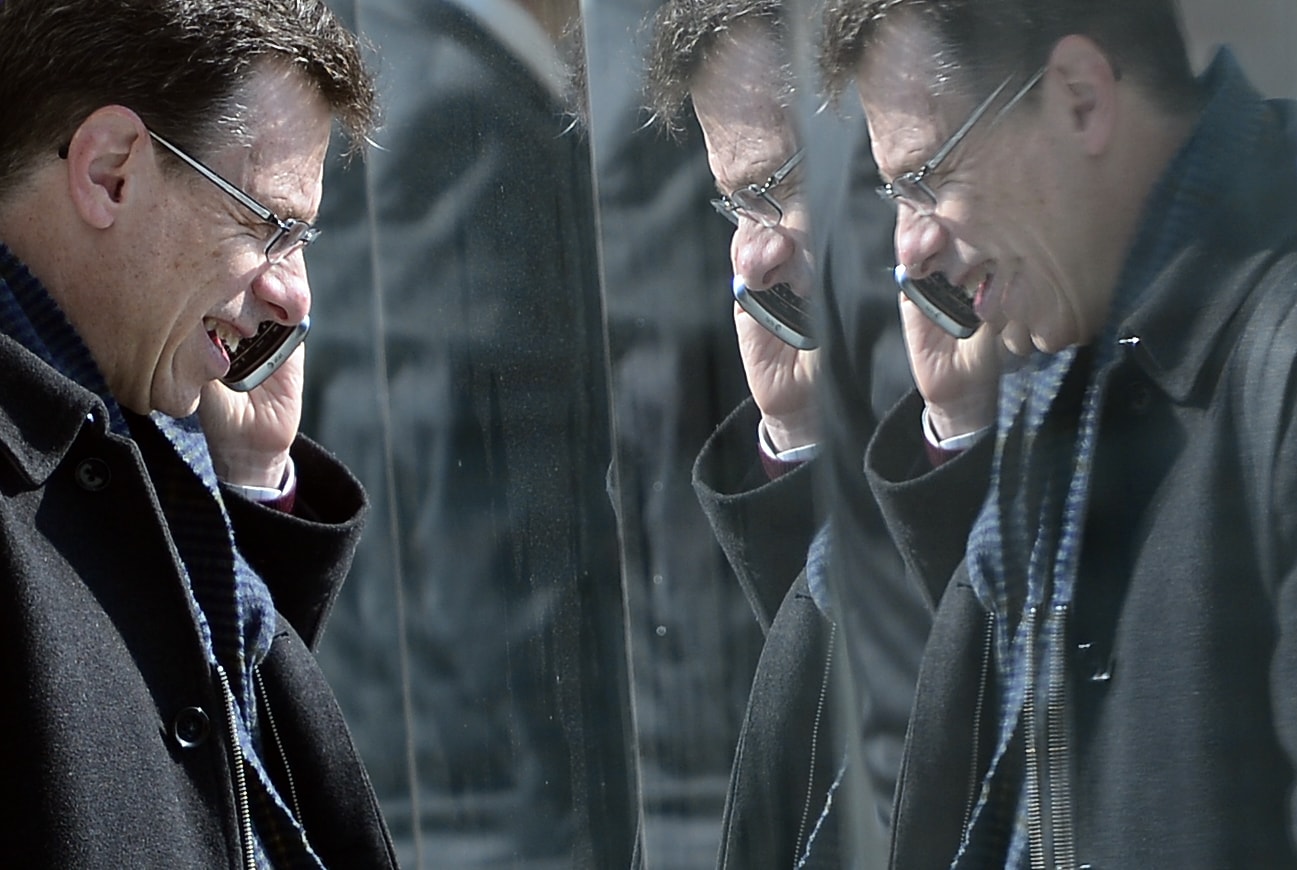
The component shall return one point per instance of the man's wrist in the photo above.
(941, 450)
(797, 453)
(777, 462)
(790, 432)
(250, 469)
(280, 497)
(963, 415)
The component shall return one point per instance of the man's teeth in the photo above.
(228, 337)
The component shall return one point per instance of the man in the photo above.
(1108, 680)
(730, 62)
(160, 163)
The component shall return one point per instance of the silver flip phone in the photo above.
(945, 304)
(259, 356)
(779, 310)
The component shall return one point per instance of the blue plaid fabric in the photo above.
(1024, 549)
(29, 316)
(230, 604)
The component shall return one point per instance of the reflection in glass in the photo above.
(458, 364)
(785, 762)
(862, 372)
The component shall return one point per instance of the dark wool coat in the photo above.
(1181, 662)
(787, 756)
(113, 739)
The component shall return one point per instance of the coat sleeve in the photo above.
(928, 511)
(763, 526)
(1278, 505)
(304, 556)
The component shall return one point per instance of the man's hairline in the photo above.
(761, 28)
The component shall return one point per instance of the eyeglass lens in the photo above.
(913, 192)
(755, 206)
(758, 206)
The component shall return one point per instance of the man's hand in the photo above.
(781, 379)
(250, 433)
(958, 378)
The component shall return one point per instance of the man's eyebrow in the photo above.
(283, 209)
(749, 179)
(757, 179)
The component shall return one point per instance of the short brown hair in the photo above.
(179, 64)
(980, 42)
(684, 34)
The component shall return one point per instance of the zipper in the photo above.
(242, 807)
(268, 720)
(1058, 744)
(1035, 813)
(974, 767)
(1049, 779)
(815, 737)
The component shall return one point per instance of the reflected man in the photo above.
(730, 61)
(1115, 642)
(474, 225)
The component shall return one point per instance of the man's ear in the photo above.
(105, 157)
(1089, 88)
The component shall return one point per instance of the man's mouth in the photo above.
(979, 294)
(223, 335)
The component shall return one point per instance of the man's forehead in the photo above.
(905, 59)
(743, 62)
(906, 84)
(737, 91)
(746, 139)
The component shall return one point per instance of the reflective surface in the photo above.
(458, 367)
(521, 348)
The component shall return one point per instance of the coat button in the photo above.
(191, 727)
(93, 474)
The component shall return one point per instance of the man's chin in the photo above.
(175, 402)
(1018, 339)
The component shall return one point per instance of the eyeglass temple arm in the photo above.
(1021, 92)
(210, 174)
(963, 131)
(981, 110)
(782, 172)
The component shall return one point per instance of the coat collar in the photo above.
(1191, 309)
(41, 413)
(1181, 318)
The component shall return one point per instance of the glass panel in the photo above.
(676, 374)
(676, 377)
(457, 365)
(460, 366)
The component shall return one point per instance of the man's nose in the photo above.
(919, 239)
(758, 253)
(283, 287)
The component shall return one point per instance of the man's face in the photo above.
(749, 135)
(194, 275)
(1005, 227)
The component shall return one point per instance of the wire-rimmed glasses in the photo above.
(755, 201)
(290, 235)
(911, 189)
